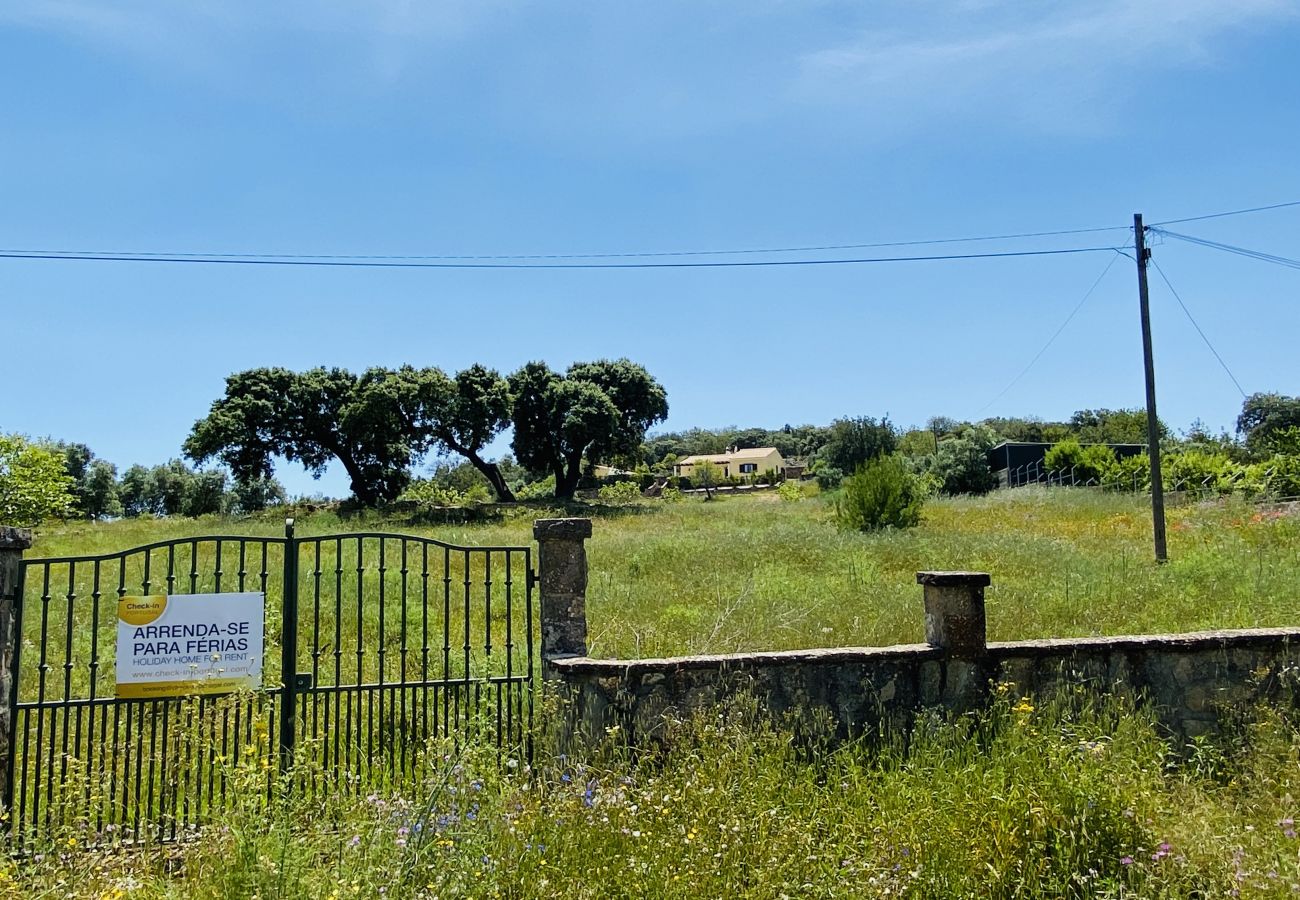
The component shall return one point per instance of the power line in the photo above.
(543, 256)
(379, 264)
(1234, 212)
(1068, 319)
(1192, 319)
(1229, 248)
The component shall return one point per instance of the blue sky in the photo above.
(516, 128)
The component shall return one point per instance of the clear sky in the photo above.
(486, 128)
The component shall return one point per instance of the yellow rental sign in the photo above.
(183, 644)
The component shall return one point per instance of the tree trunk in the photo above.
(492, 472)
(567, 477)
(365, 493)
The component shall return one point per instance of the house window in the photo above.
(748, 468)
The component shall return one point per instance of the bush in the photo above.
(33, 483)
(1132, 473)
(1196, 470)
(1278, 477)
(428, 492)
(670, 495)
(537, 490)
(880, 494)
(620, 492)
(790, 491)
(828, 477)
(1083, 463)
(962, 465)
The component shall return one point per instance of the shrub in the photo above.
(33, 483)
(1132, 473)
(428, 492)
(1196, 470)
(1083, 463)
(790, 491)
(1278, 477)
(880, 494)
(620, 492)
(961, 463)
(828, 477)
(670, 495)
(537, 490)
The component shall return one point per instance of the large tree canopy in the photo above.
(1263, 417)
(308, 417)
(376, 424)
(598, 411)
(458, 415)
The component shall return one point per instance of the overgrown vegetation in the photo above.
(882, 493)
(1073, 797)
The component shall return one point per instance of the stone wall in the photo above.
(1191, 681)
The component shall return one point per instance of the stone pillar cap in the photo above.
(954, 579)
(15, 538)
(561, 529)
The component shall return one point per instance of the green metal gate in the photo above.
(376, 646)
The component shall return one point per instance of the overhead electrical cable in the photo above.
(1229, 248)
(392, 264)
(1068, 319)
(1195, 325)
(628, 254)
(1233, 212)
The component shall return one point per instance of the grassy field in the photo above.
(1079, 797)
(751, 573)
(1072, 799)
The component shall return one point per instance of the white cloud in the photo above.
(1053, 63)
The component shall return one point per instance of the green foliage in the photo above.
(1028, 430)
(828, 477)
(1112, 426)
(97, 495)
(880, 494)
(961, 464)
(376, 424)
(1263, 417)
(203, 493)
(431, 492)
(597, 411)
(1196, 470)
(620, 492)
(790, 491)
(851, 442)
(537, 490)
(1129, 473)
(256, 495)
(1277, 477)
(660, 450)
(1089, 463)
(33, 482)
(671, 495)
(917, 443)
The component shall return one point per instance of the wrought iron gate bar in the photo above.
(148, 769)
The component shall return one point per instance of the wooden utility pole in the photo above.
(1153, 423)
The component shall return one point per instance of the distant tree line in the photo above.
(44, 478)
(380, 424)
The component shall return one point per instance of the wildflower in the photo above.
(356, 840)
(1126, 860)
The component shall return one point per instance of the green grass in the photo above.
(750, 573)
(1079, 797)
(1074, 799)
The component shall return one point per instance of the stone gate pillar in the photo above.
(13, 541)
(954, 623)
(562, 564)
